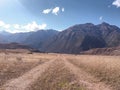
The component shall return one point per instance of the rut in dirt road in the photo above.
(56, 77)
(23, 82)
(57, 74)
(85, 79)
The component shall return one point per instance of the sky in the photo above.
(32, 15)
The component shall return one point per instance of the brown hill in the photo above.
(13, 46)
(103, 51)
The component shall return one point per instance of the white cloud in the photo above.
(46, 11)
(63, 9)
(34, 26)
(16, 28)
(56, 10)
(116, 3)
(2, 23)
(6, 26)
(101, 18)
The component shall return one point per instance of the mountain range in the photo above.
(75, 39)
(83, 37)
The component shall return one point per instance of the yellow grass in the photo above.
(105, 68)
(15, 65)
(57, 77)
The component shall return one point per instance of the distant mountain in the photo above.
(37, 39)
(2, 40)
(3, 36)
(13, 46)
(18, 37)
(32, 39)
(84, 37)
(4, 33)
(75, 39)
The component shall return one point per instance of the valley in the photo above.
(59, 45)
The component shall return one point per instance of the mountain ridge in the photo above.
(83, 37)
(75, 39)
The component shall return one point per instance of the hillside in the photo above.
(32, 39)
(103, 51)
(83, 37)
(37, 39)
(75, 39)
(14, 46)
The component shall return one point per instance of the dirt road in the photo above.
(49, 68)
(85, 79)
(24, 81)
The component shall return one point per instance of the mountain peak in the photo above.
(104, 23)
(82, 25)
(91, 24)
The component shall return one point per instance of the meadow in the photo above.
(40, 71)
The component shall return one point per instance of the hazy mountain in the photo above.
(33, 39)
(13, 46)
(17, 37)
(36, 39)
(84, 37)
(4, 33)
(3, 36)
(75, 39)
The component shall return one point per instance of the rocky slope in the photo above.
(83, 37)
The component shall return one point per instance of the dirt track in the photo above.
(24, 81)
(85, 79)
(81, 77)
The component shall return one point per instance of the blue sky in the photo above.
(31, 15)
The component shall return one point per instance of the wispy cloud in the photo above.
(4, 25)
(34, 26)
(16, 28)
(63, 9)
(46, 11)
(101, 18)
(116, 3)
(54, 11)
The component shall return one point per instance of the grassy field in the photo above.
(62, 72)
(57, 77)
(15, 65)
(105, 68)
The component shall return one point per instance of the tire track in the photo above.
(56, 77)
(23, 82)
(84, 78)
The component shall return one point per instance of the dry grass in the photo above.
(105, 68)
(57, 77)
(15, 65)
